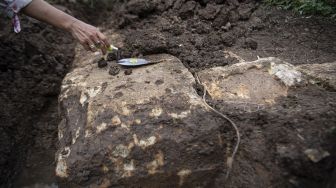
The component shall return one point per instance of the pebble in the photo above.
(316, 155)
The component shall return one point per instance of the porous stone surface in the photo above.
(149, 128)
(324, 74)
(258, 82)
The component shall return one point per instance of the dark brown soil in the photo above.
(199, 32)
(39, 168)
(274, 140)
(32, 67)
(291, 37)
(102, 63)
(34, 62)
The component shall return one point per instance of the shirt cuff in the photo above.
(15, 6)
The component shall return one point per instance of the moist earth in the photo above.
(197, 32)
(201, 34)
(32, 66)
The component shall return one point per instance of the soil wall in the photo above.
(32, 66)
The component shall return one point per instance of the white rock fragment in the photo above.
(181, 115)
(60, 134)
(74, 139)
(83, 98)
(125, 110)
(89, 94)
(61, 167)
(116, 120)
(145, 142)
(156, 112)
(183, 174)
(88, 133)
(121, 151)
(128, 169)
(316, 155)
(137, 121)
(286, 73)
(156, 163)
(102, 127)
(94, 91)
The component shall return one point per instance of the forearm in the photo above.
(89, 36)
(44, 12)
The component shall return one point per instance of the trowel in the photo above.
(129, 61)
(135, 62)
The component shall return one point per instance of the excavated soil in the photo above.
(199, 32)
(32, 66)
(274, 139)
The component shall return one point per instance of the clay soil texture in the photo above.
(274, 139)
(32, 66)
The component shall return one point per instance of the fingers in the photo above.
(93, 39)
(90, 46)
(105, 44)
(99, 40)
(86, 45)
(88, 42)
(103, 38)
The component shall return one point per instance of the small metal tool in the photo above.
(130, 61)
(137, 62)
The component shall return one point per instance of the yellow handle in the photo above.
(111, 48)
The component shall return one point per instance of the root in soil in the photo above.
(230, 159)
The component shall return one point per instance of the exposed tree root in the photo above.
(229, 160)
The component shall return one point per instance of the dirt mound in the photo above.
(194, 31)
(197, 32)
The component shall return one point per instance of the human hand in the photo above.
(89, 36)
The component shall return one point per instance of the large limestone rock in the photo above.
(259, 82)
(147, 129)
(151, 129)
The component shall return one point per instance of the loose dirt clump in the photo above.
(102, 63)
(128, 71)
(114, 70)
